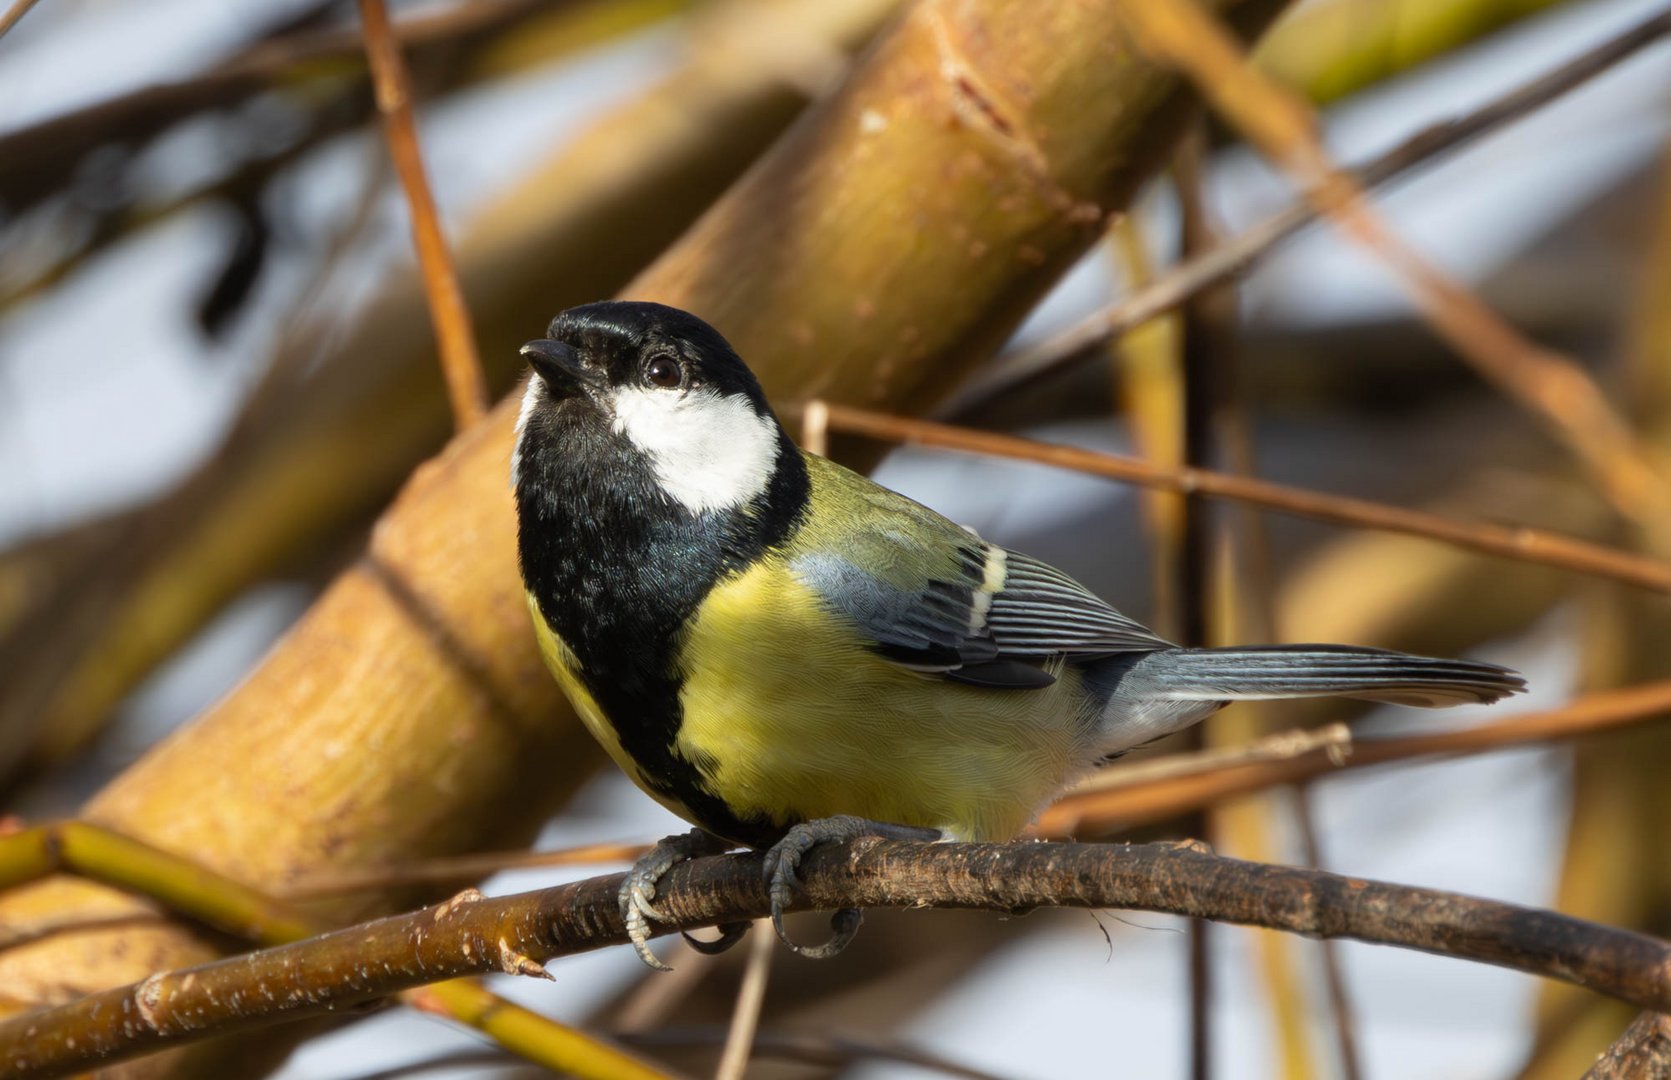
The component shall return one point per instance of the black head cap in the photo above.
(620, 343)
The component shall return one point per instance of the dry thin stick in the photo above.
(1334, 979)
(1513, 542)
(1106, 811)
(1243, 250)
(1547, 383)
(466, 386)
(18, 10)
(387, 956)
(751, 995)
(451, 868)
(1335, 740)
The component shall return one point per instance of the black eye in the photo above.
(662, 372)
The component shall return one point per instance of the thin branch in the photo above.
(1548, 384)
(466, 385)
(1511, 542)
(530, 1035)
(198, 893)
(13, 14)
(1101, 812)
(1333, 740)
(1334, 978)
(389, 955)
(751, 995)
(1246, 248)
(1643, 1052)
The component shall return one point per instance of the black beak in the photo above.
(558, 364)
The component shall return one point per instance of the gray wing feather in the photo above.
(963, 629)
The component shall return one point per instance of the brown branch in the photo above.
(17, 11)
(1246, 248)
(376, 959)
(1551, 386)
(466, 385)
(1643, 1052)
(1511, 542)
(1103, 811)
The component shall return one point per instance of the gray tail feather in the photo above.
(1302, 671)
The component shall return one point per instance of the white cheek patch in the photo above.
(530, 400)
(709, 452)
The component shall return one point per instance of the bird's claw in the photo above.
(782, 881)
(639, 889)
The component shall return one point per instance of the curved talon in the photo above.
(639, 888)
(633, 912)
(729, 935)
(782, 881)
(844, 925)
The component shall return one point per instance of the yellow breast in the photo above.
(789, 716)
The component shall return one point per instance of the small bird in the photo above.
(783, 652)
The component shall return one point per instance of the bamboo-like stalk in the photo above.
(297, 470)
(408, 713)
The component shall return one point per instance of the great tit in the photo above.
(781, 651)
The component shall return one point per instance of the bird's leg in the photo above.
(639, 889)
(785, 855)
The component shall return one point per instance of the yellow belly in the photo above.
(789, 718)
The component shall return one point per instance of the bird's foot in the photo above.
(639, 889)
(785, 856)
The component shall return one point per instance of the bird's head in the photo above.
(665, 387)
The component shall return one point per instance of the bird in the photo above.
(783, 652)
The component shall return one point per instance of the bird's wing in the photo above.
(934, 597)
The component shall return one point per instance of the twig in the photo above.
(186, 888)
(1246, 248)
(1549, 385)
(1643, 1052)
(1106, 811)
(379, 958)
(466, 385)
(1334, 979)
(451, 869)
(751, 995)
(17, 11)
(182, 886)
(529, 1035)
(1334, 740)
(1512, 542)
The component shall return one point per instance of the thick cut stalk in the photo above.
(299, 467)
(889, 242)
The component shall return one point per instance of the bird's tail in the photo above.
(1302, 671)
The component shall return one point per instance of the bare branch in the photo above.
(1549, 385)
(379, 958)
(1106, 810)
(1244, 250)
(1511, 542)
(466, 385)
